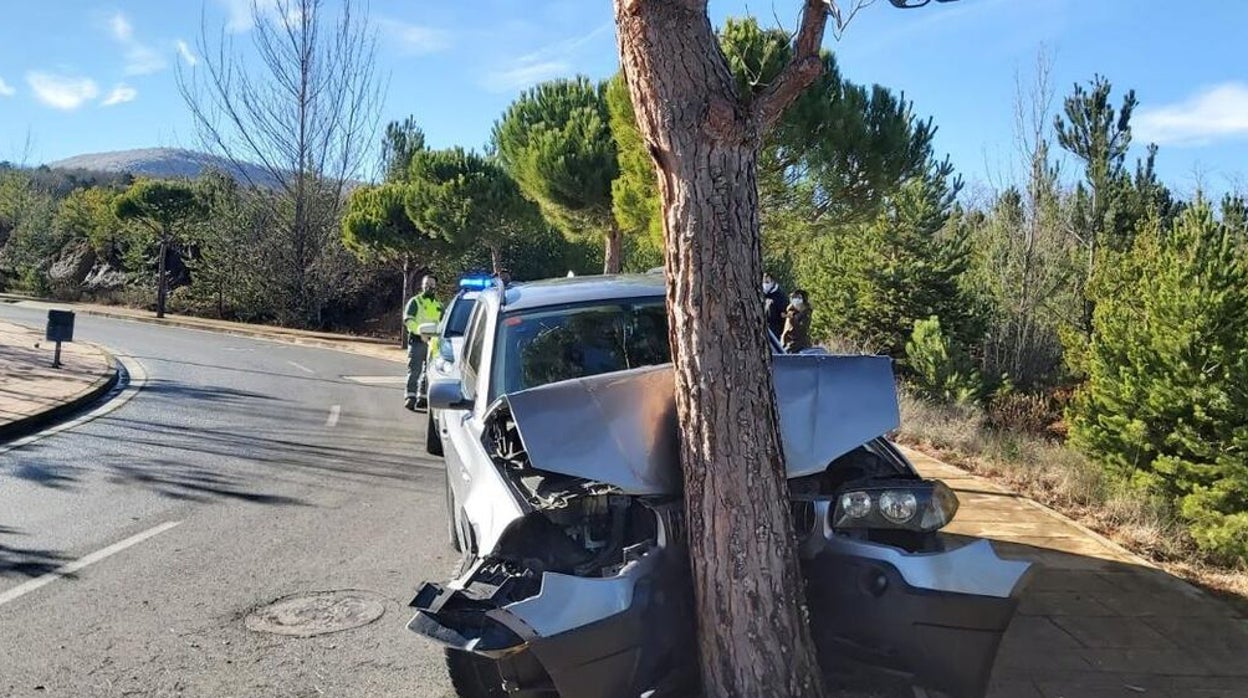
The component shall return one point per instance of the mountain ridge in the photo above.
(164, 163)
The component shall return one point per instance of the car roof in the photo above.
(581, 289)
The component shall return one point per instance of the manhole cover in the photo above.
(316, 613)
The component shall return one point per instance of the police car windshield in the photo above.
(545, 345)
(457, 321)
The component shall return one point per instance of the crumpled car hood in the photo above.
(621, 428)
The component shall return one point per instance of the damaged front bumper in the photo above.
(935, 617)
(615, 636)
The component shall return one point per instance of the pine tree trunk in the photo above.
(162, 280)
(496, 260)
(407, 282)
(613, 259)
(753, 638)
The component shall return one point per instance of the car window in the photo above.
(546, 345)
(457, 318)
(475, 343)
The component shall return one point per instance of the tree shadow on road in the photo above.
(253, 371)
(17, 561)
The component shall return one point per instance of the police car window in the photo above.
(546, 345)
(472, 352)
(457, 319)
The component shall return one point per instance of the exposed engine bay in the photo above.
(575, 566)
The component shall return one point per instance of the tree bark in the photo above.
(162, 280)
(496, 260)
(613, 259)
(407, 283)
(753, 638)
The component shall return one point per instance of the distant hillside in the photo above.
(162, 162)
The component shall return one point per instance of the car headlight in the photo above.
(916, 505)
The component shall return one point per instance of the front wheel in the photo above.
(474, 676)
(433, 438)
(452, 530)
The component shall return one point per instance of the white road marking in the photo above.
(138, 378)
(65, 570)
(301, 367)
(332, 419)
(377, 380)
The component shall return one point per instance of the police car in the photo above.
(448, 338)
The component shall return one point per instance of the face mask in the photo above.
(769, 286)
(797, 302)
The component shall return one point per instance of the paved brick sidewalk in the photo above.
(29, 385)
(1096, 620)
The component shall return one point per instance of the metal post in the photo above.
(56, 358)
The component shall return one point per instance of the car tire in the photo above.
(433, 439)
(452, 530)
(474, 676)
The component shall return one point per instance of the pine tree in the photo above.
(872, 283)
(1165, 403)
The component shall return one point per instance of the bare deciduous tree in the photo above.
(303, 104)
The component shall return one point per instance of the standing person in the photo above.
(774, 302)
(796, 335)
(423, 307)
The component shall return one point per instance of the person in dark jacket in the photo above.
(796, 335)
(774, 302)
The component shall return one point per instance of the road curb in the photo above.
(206, 325)
(36, 422)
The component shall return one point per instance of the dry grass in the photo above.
(1050, 472)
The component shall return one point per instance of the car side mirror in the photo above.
(427, 330)
(448, 395)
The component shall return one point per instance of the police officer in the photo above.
(422, 308)
(775, 302)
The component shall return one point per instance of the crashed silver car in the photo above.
(564, 496)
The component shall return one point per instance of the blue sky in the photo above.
(78, 76)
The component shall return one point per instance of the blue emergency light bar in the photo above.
(476, 283)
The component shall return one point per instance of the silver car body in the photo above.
(938, 612)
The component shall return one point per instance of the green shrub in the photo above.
(1165, 404)
(940, 370)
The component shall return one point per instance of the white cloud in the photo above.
(121, 28)
(238, 13)
(140, 59)
(1215, 113)
(184, 49)
(6, 90)
(551, 61)
(415, 38)
(526, 75)
(121, 94)
(61, 91)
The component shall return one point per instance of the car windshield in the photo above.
(546, 345)
(457, 321)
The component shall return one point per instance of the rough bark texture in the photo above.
(613, 258)
(753, 635)
(162, 278)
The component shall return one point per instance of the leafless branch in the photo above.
(802, 70)
(302, 108)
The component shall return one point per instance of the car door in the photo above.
(484, 504)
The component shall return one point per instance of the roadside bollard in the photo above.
(60, 329)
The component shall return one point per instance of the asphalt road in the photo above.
(242, 472)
